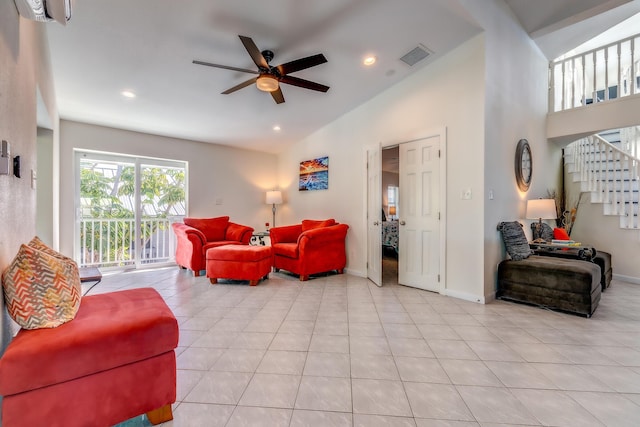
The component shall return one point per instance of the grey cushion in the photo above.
(514, 240)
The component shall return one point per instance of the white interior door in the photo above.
(419, 228)
(374, 217)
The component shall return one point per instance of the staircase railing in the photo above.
(630, 140)
(611, 175)
(599, 75)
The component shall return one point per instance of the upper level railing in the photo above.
(108, 242)
(599, 75)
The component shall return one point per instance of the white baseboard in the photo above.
(355, 272)
(464, 296)
(629, 279)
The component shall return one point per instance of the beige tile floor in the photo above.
(339, 351)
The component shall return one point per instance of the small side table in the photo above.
(90, 274)
(258, 239)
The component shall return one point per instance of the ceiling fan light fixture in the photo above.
(267, 83)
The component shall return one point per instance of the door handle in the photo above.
(402, 223)
(376, 223)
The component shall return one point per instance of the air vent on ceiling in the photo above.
(416, 55)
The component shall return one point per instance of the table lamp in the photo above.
(392, 211)
(541, 209)
(274, 198)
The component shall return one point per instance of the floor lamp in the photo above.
(274, 198)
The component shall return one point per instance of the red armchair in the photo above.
(196, 235)
(309, 248)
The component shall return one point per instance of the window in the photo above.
(125, 209)
(392, 202)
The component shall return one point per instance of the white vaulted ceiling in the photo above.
(147, 46)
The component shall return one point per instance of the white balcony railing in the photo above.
(599, 75)
(112, 242)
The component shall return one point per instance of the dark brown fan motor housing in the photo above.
(269, 77)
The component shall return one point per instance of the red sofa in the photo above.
(196, 235)
(309, 248)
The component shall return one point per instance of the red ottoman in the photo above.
(113, 362)
(239, 262)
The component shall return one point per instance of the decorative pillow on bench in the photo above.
(514, 240)
(560, 234)
(546, 232)
(41, 287)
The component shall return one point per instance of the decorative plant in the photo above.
(559, 198)
(569, 215)
(566, 211)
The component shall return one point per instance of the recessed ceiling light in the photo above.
(369, 60)
(128, 94)
(276, 128)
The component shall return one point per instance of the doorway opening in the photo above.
(390, 211)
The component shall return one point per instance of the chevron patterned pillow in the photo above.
(41, 290)
(38, 244)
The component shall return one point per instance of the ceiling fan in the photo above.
(269, 77)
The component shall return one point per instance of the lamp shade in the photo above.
(541, 209)
(392, 210)
(274, 197)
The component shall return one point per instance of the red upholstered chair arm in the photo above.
(183, 231)
(238, 232)
(189, 244)
(321, 237)
(285, 234)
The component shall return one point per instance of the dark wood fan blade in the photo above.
(254, 52)
(240, 86)
(226, 67)
(278, 96)
(303, 83)
(301, 64)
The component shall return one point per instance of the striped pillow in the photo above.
(41, 290)
(514, 240)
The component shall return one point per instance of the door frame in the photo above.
(374, 219)
(442, 132)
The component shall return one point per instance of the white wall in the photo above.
(24, 68)
(44, 186)
(488, 93)
(448, 92)
(515, 108)
(239, 177)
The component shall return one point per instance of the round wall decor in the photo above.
(523, 165)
